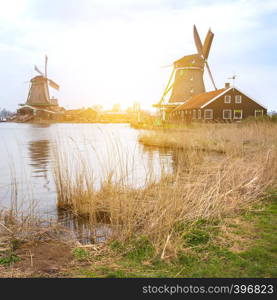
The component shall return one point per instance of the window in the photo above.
(238, 114)
(227, 114)
(238, 98)
(227, 99)
(259, 113)
(199, 114)
(183, 115)
(194, 114)
(208, 114)
(191, 78)
(181, 72)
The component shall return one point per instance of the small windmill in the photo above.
(39, 91)
(186, 79)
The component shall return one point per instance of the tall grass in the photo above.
(205, 184)
(224, 138)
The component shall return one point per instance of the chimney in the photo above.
(227, 85)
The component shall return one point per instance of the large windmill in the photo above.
(39, 89)
(186, 79)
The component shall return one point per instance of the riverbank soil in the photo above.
(39, 259)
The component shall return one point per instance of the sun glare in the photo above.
(12, 9)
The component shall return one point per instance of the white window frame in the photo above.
(211, 112)
(225, 110)
(259, 110)
(234, 114)
(227, 99)
(238, 99)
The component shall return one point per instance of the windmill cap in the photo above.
(38, 78)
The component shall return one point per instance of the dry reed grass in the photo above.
(204, 185)
(25, 229)
(222, 138)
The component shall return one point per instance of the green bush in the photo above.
(9, 259)
(81, 254)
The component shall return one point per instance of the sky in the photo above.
(106, 52)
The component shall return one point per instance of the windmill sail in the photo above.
(45, 65)
(207, 44)
(211, 76)
(38, 70)
(197, 41)
(203, 50)
(53, 84)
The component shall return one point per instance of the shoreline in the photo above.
(238, 240)
(69, 122)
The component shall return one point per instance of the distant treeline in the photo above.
(4, 113)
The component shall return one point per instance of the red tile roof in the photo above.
(198, 100)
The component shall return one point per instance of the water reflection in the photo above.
(105, 148)
(165, 155)
(80, 226)
(39, 155)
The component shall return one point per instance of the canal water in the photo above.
(28, 153)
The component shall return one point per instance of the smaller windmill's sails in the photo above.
(38, 70)
(207, 44)
(45, 65)
(53, 84)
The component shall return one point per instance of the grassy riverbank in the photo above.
(243, 245)
(214, 216)
(240, 246)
